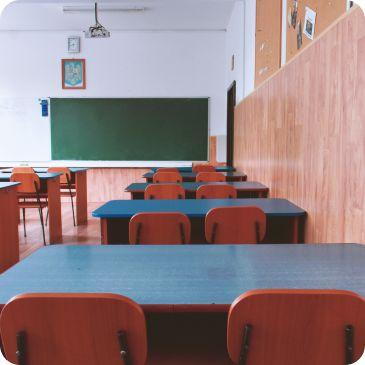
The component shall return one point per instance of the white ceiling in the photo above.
(192, 15)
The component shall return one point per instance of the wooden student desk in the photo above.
(191, 176)
(285, 221)
(250, 189)
(186, 290)
(186, 277)
(50, 184)
(79, 179)
(9, 217)
(190, 169)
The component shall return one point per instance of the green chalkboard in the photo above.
(173, 129)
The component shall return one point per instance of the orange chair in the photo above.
(69, 329)
(168, 169)
(67, 188)
(167, 177)
(301, 327)
(235, 225)
(30, 197)
(159, 229)
(22, 169)
(164, 191)
(210, 177)
(216, 192)
(203, 168)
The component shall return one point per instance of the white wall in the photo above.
(249, 48)
(235, 46)
(129, 64)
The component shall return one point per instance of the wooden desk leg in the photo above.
(104, 231)
(54, 208)
(9, 239)
(296, 230)
(81, 198)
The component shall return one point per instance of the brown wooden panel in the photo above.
(268, 39)
(9, 217)
(104, 184)
(327, 13)
(303, 133)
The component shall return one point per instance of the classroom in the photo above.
(182, 182)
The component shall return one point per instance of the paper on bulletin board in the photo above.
(309, 22)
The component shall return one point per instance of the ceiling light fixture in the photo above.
(97, 31)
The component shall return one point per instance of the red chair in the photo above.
(296, 327)
(164, 191)
(210, 177)
(216, 192)
(235, 225)
(203, 168)
(30, 197)
(22, 170)
(67, 188)
(159, 229)
(166, 177)
(168, 169)
(69, 329)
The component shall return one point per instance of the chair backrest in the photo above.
(167, 177)
(65, 171)
(301, 327)
(22, 169)
(164, 191)
(159, 228)
(29, 182)
(203, 168)
(235, 225)
(210, 177)
(68, 329)
(168, 169)
(216, 192)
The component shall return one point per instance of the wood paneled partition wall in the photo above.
(302, 132)
(109, 183)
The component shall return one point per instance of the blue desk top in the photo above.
(4, 185)
(190, 169)
(194, 207)
(42, 170)
(5, 176)
(187, 274)
(192, 175)
(193, 186)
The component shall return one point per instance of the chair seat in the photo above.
(65, 186)
(32, 204)
(32, 196)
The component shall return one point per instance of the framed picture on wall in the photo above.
(73, 74)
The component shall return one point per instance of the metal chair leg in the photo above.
(25, 231)
(42, 224)
(20, 347)
(72, 201)
(40, 212)
(47, 217)
(245, 345)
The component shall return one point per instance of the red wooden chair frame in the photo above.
(166, 228)
(68, 329)
(167, 177)
(235, 225)
(216, 192)
(164, 191)
(301, 327)
(210, 177)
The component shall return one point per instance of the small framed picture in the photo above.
(309, 23)
(73, 74)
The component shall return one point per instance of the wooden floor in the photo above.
(83, 235)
